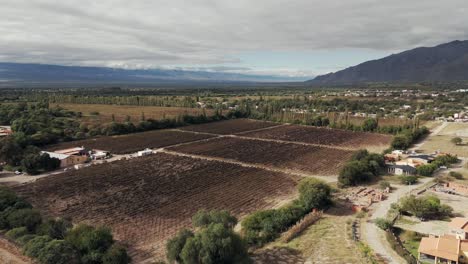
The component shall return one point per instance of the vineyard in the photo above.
(134, 142)
(230, 126)
(313, 160)
(325, 136)
(147, 200)
(238, 165)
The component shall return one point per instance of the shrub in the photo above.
(55, 228)
(215, 242)
(34, 246)
(425, 207)
(408, 180)
(383, 223)
(314, 193)
(426, 170)
(27, 217)
(58, 252)
(362, 167)
(15, 233)
(203, 218)
(456, 140)
(116, 254)
(25, 239)
(384, 185)
(456, 175)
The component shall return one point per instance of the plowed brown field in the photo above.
(325, 136)
(147, 200)
(313, 160)
(134, 142)
(232, 126)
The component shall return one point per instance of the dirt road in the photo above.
(374, 236)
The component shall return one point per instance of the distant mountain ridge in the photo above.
(28, 74)
(445, 62)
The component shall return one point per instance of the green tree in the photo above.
(58, 252)
(370, 124)
(456, 140)
(203, 218)
(175, 245)
(26, 217)
(116, 254)
(314, 193)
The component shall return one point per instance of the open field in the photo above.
(326, 241)
(147, 200)
(325, 136)
(121, 112)
(232, 126)
(443, 144)
(313, 160)
(134, 142)
(455, 130)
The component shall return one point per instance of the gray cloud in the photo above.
(149, 33)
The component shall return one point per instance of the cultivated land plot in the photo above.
(232, 126)
(313, 160)
(121, 112)
(147, 200)
(134, 142)
(325, 136)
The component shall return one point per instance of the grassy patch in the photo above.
(410, 240)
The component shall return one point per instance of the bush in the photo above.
(363, 167)
(203, 218)
(384, 185)
(456, 140)
(116, 254)
(58, 252)
(314, 193)
(427, 207)
(215, 242)
(87, 239)
(426, 170)
(55, 228)
(27, 217)
(456, 175)
(408, 180)
(15, 233)
(383, 223)
(34, 246)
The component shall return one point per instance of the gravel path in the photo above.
(374, 236)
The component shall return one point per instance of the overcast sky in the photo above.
(296, 38)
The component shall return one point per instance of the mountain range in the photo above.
(22, 74)
(445, 62)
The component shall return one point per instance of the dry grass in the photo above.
(121, 112)
(443, 144)
(326, 241)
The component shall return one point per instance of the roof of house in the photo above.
(70, 151)
(447, 247)
(422, 156)
(56, 155)
(459, 223)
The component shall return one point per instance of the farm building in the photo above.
(450, 248)
(67, 160)
(401, 169)
(144, 152)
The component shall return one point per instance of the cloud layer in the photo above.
(145, 33)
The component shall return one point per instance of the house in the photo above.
(97, 154)
(450, 248)
(401, 169)
(459, 227)
(67, 160)
(444, 249)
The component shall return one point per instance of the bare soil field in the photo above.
(313, 160)
(121, 112)
(325, 136)
(147, 200)
(232, 126)
(134, 142)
